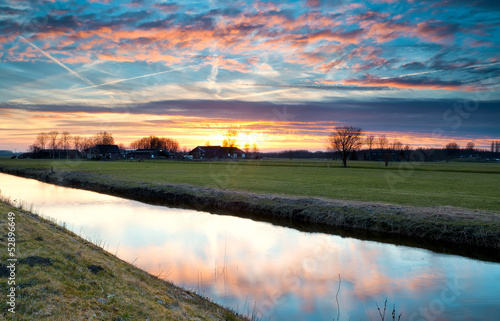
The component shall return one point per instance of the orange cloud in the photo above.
(115, 58)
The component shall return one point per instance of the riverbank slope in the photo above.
(477, 228)
(60, 276)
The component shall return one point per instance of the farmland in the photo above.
(457, 184)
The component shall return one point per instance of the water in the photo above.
(274, 272)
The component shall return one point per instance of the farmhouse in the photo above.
(104, 152)
(217, 152)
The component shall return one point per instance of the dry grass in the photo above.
(61, 276)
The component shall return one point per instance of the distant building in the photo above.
(53, 153)
(217, 152)
(103, 152)
(150, 154)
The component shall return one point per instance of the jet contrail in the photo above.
(414, 74)
(108, 83)
(258, 94)
(58, 62)
(127, 79)
(432, 71)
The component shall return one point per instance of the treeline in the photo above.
(153, 142)
(65, 141)
(390, 155)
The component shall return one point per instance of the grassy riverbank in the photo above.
(281, 190)
(60, 276)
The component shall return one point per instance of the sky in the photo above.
(283, 74)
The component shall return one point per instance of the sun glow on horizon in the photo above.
(270, 136)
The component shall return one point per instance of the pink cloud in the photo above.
(436, 31)
(115, 58)
(167, 7)
(266, 6)
(313, 3)
(328, 66)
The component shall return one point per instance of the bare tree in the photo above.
(122, 147)
(407, 153)
(230, 138)
(497, 146)
(65, 140)
(345, 139)
(255, 150)
(247, 149)
(41, 140)
(383, 142)
(470, 146)
(33, 149)
(171, 145)
(86, 143)
(397, 145)
(452, 149)
(452, 146)
(492, 146)
(135, 144)
(370, 141)
(104, 138)
(53, 141)
(77, 142)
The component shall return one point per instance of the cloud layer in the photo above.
(208, 59)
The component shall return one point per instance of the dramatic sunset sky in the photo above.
(283, 74)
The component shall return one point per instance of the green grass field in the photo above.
(459, 184)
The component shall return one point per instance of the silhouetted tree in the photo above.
(77, 142)
(33, 149)
(104, 138)
(370, 141)
(53, 141)
(171, 145)
(65, 140)
(452, 149)
(153, 142)
(397, 146)
(452, 146)
(87, 142)
(345, 139)
(41, 140)
(383, 142)
(407, 152)
(230, 138)
(255, 150)
(470, 146)
(121, 147)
